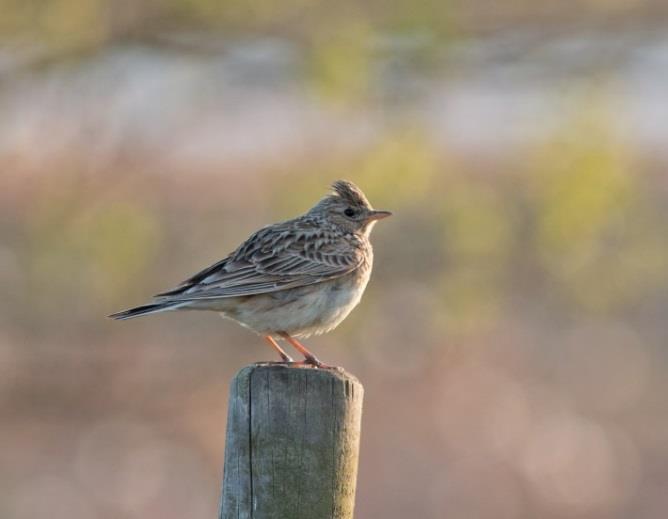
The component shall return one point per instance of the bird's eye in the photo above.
(350, 212)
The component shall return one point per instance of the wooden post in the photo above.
(292, 443)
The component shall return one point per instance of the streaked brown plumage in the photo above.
(291, 279)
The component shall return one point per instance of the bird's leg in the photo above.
(284, 356)
(308, 356)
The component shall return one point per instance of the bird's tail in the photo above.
(152, 308)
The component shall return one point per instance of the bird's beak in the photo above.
(378, 215)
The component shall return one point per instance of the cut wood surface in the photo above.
(292, 443)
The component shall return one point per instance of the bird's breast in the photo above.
(325, 307)
(304, 311)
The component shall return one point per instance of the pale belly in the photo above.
(301, 312)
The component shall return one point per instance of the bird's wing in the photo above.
(275, 258)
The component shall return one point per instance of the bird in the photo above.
(289, 280)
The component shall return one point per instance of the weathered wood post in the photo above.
(292, 443)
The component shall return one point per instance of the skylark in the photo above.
(296, 278)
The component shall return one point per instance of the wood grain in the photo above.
(292, 443)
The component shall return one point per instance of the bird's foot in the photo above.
(313, 361)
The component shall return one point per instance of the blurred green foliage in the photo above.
(593, 213)
(400, 168)
(76, 243)
(479, 236)
(341, 64)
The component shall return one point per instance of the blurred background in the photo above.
(512, 339)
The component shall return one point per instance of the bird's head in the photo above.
(348, 208)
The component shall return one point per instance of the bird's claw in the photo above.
(313, 362)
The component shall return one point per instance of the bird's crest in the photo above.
(350, 193)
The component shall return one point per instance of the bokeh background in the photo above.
(512, 341)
